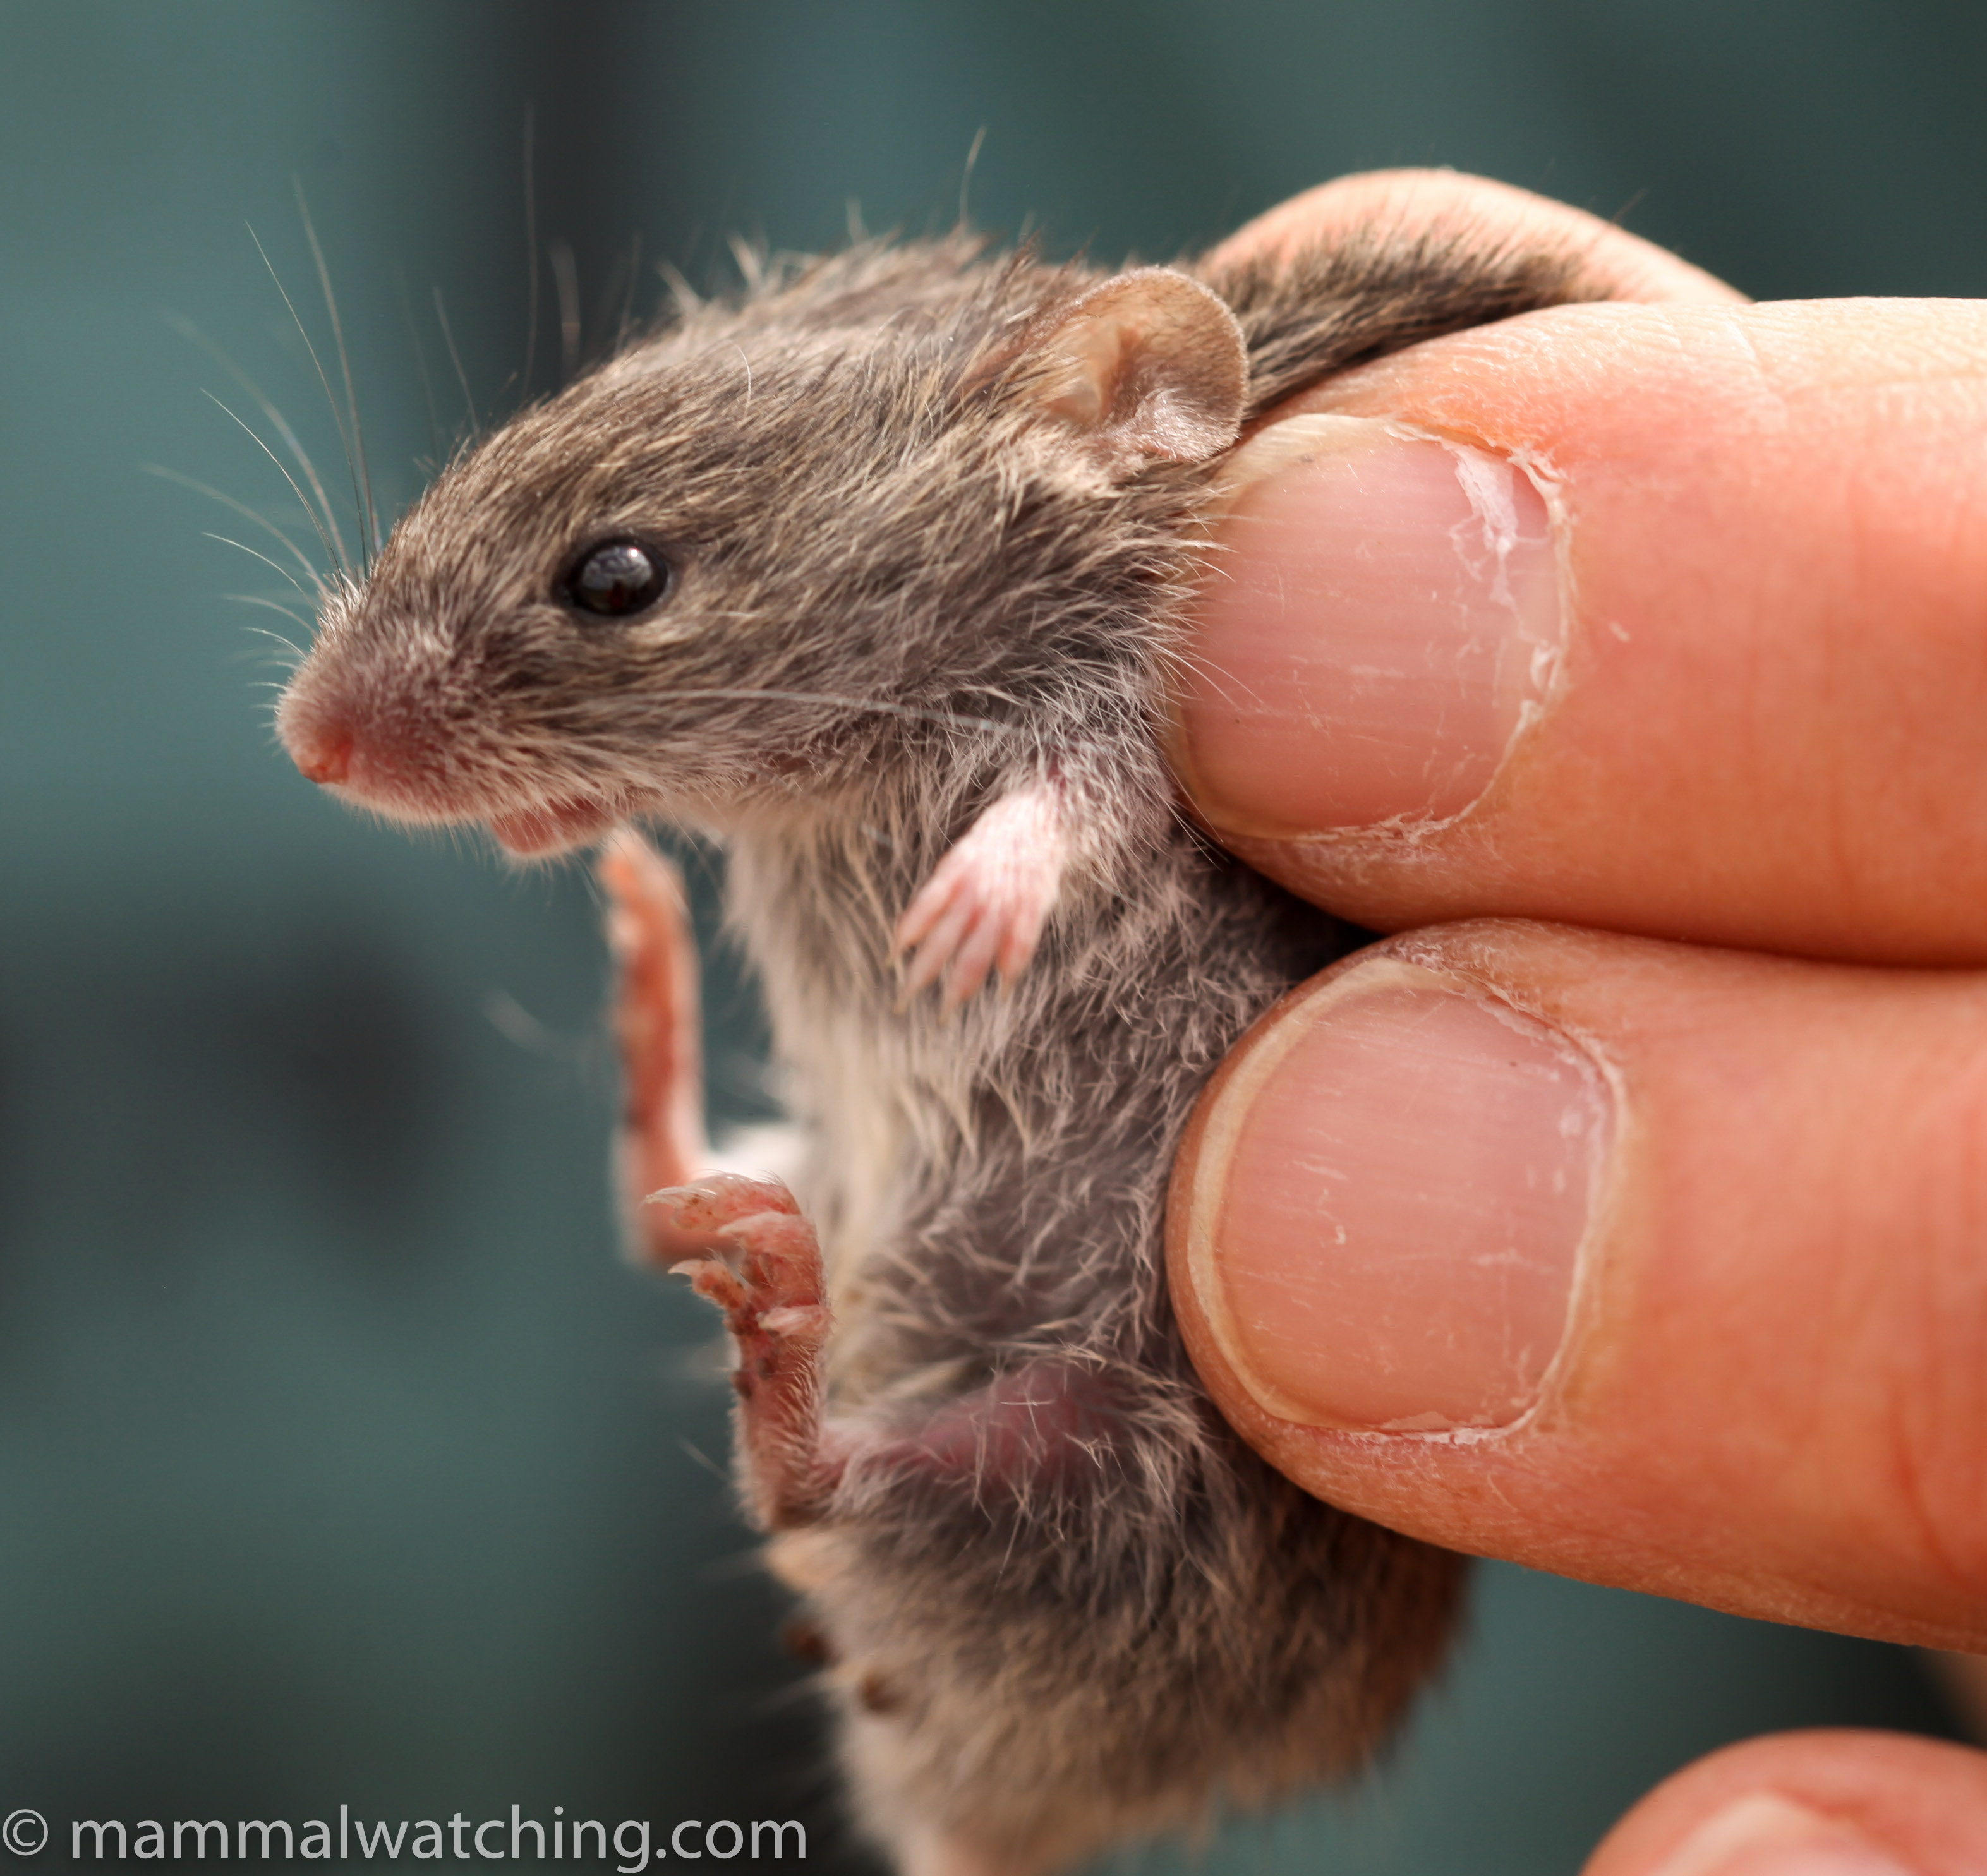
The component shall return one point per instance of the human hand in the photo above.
(1623, 1216)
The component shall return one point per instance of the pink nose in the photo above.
(326, 758)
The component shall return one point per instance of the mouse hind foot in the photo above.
(744, 1245)
(741, 1241)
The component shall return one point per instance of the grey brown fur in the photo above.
(903, 593)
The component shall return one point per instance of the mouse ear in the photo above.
(1148, 365)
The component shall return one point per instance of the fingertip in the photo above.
(1637, 1262)
(1386, 620)
(1653, 618)
(1387, 1200)
(1830, 1804)
(1621, 265)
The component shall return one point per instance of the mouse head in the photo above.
(899, 507)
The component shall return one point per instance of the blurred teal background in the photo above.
(340, 1460)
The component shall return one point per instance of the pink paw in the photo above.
(743, 1243)
(760, 1264)
(720, 1199)
(984, 907)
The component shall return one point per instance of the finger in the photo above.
(1661, 619)
(1414, 200)
(1644, 1264)
(1811, 1804)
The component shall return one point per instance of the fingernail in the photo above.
(1387, 1205)
(1768, 1835)
(1383, 617)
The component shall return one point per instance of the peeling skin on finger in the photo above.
(1392, 609)
(1531, 666)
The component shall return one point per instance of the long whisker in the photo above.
(455, 358)
(242, 509)
(965, 180)
(421, 365)
(187, 330)
(329, 540)
(565, 276)
(685, 297)
(276, 567)
(1222, 679)
(369, 515)
(627, 319)
(956, 719)
(531, 240)
(255, 599)
(345, 441)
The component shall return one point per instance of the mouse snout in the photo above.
(390, 765)
(341, 737)
(318, 727)
(322, 755)
(389, 750)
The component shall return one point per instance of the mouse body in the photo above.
(876, 572)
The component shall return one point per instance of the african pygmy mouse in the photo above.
(877, 573)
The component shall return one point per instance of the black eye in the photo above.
(618, 578)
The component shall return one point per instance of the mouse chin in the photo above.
(555, 828)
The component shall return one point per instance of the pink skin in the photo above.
(984, 906)
(1044, 1423)
(555, 828)
(323, 756)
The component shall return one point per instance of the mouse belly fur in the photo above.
(1059, 1603)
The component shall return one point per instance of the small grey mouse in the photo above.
(877, 573)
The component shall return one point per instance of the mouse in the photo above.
(877, 572)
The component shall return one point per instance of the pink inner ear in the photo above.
(1149, 365)
(1094, 350)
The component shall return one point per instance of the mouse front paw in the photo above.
(985, 905)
